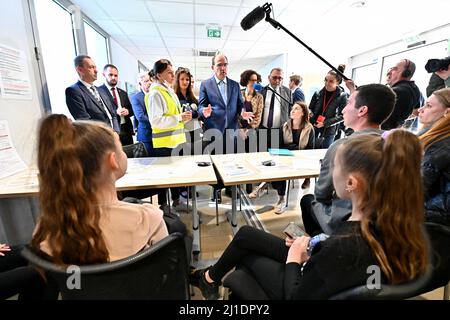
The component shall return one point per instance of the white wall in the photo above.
(22, 115)
(278, 62)
(125, 62)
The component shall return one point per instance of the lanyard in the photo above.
(325, 105)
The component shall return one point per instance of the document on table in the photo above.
(10, 161)
(234, 169)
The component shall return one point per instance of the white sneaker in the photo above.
(280, 207)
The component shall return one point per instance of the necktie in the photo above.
(223, 91)
(99, 100)
(271, 107)
(114, 96)
(116, 102)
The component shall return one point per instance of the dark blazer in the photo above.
(144, 129)
(298, 95)
(222, 116)
(284, 105)
(83, 105)
(126, 129)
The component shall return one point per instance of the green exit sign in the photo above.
(214, 33)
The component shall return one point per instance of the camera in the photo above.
(434, 65)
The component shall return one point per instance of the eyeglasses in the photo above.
(276, 78)
(220, 65)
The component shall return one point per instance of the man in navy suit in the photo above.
(295, 82)
(85, 101)
(144, 128)
(121, 103)
(220, 101)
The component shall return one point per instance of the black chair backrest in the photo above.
(158, 272)
(136, 150)
(436, 275)
(439, 236)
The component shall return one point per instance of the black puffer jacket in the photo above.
(332, 114)
(436, 177)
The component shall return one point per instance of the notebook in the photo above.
(280, 152)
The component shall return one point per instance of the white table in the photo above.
(243, 168)
(142, 173)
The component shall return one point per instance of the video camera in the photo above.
(434, 65)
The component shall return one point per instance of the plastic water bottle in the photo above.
(315, 240)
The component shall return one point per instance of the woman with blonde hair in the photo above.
(81, 219)
(384, 229)
(435, 138)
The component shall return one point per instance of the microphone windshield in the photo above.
(253, 18)
(257, 87)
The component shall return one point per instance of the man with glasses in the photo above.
(277, 108)
(408, 94)
(221, 104)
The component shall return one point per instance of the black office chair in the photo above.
(136, 150)
(437, 274)
(241, 283)
(158, 272)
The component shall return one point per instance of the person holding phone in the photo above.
(188, 101)
(326, 107)
(365, 172)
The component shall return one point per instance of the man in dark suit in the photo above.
(120, 100)
(277, 108)
(295, 82)
(220, 101)
(85, 101)
(144, 128)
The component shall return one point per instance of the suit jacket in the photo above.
(284, 105)
(126, 129)
(83, 105)
(298, 95)
(144, 129)
(222, 116)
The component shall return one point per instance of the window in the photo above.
(420, 57)
(97, 49)
(58, 64)
(366, 74)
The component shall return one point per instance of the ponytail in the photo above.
(392, 201)
(69, 157)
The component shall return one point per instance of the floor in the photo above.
(259, 212)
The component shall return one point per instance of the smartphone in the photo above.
(320, 118)
(293, 231)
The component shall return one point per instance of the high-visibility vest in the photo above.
(168, 137)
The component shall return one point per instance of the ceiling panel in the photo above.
(169, 12)
(138, 28)
(176, 30)
(125, 10)
(109, 26)
(146, 41)
(215, 14)
(179, 42)
(182, 26)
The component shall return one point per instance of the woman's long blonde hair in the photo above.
(441, 128)
(391, 200)
(69, 162)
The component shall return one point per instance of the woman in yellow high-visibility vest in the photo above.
(166, 117)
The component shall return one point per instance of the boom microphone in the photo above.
(253, 18)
